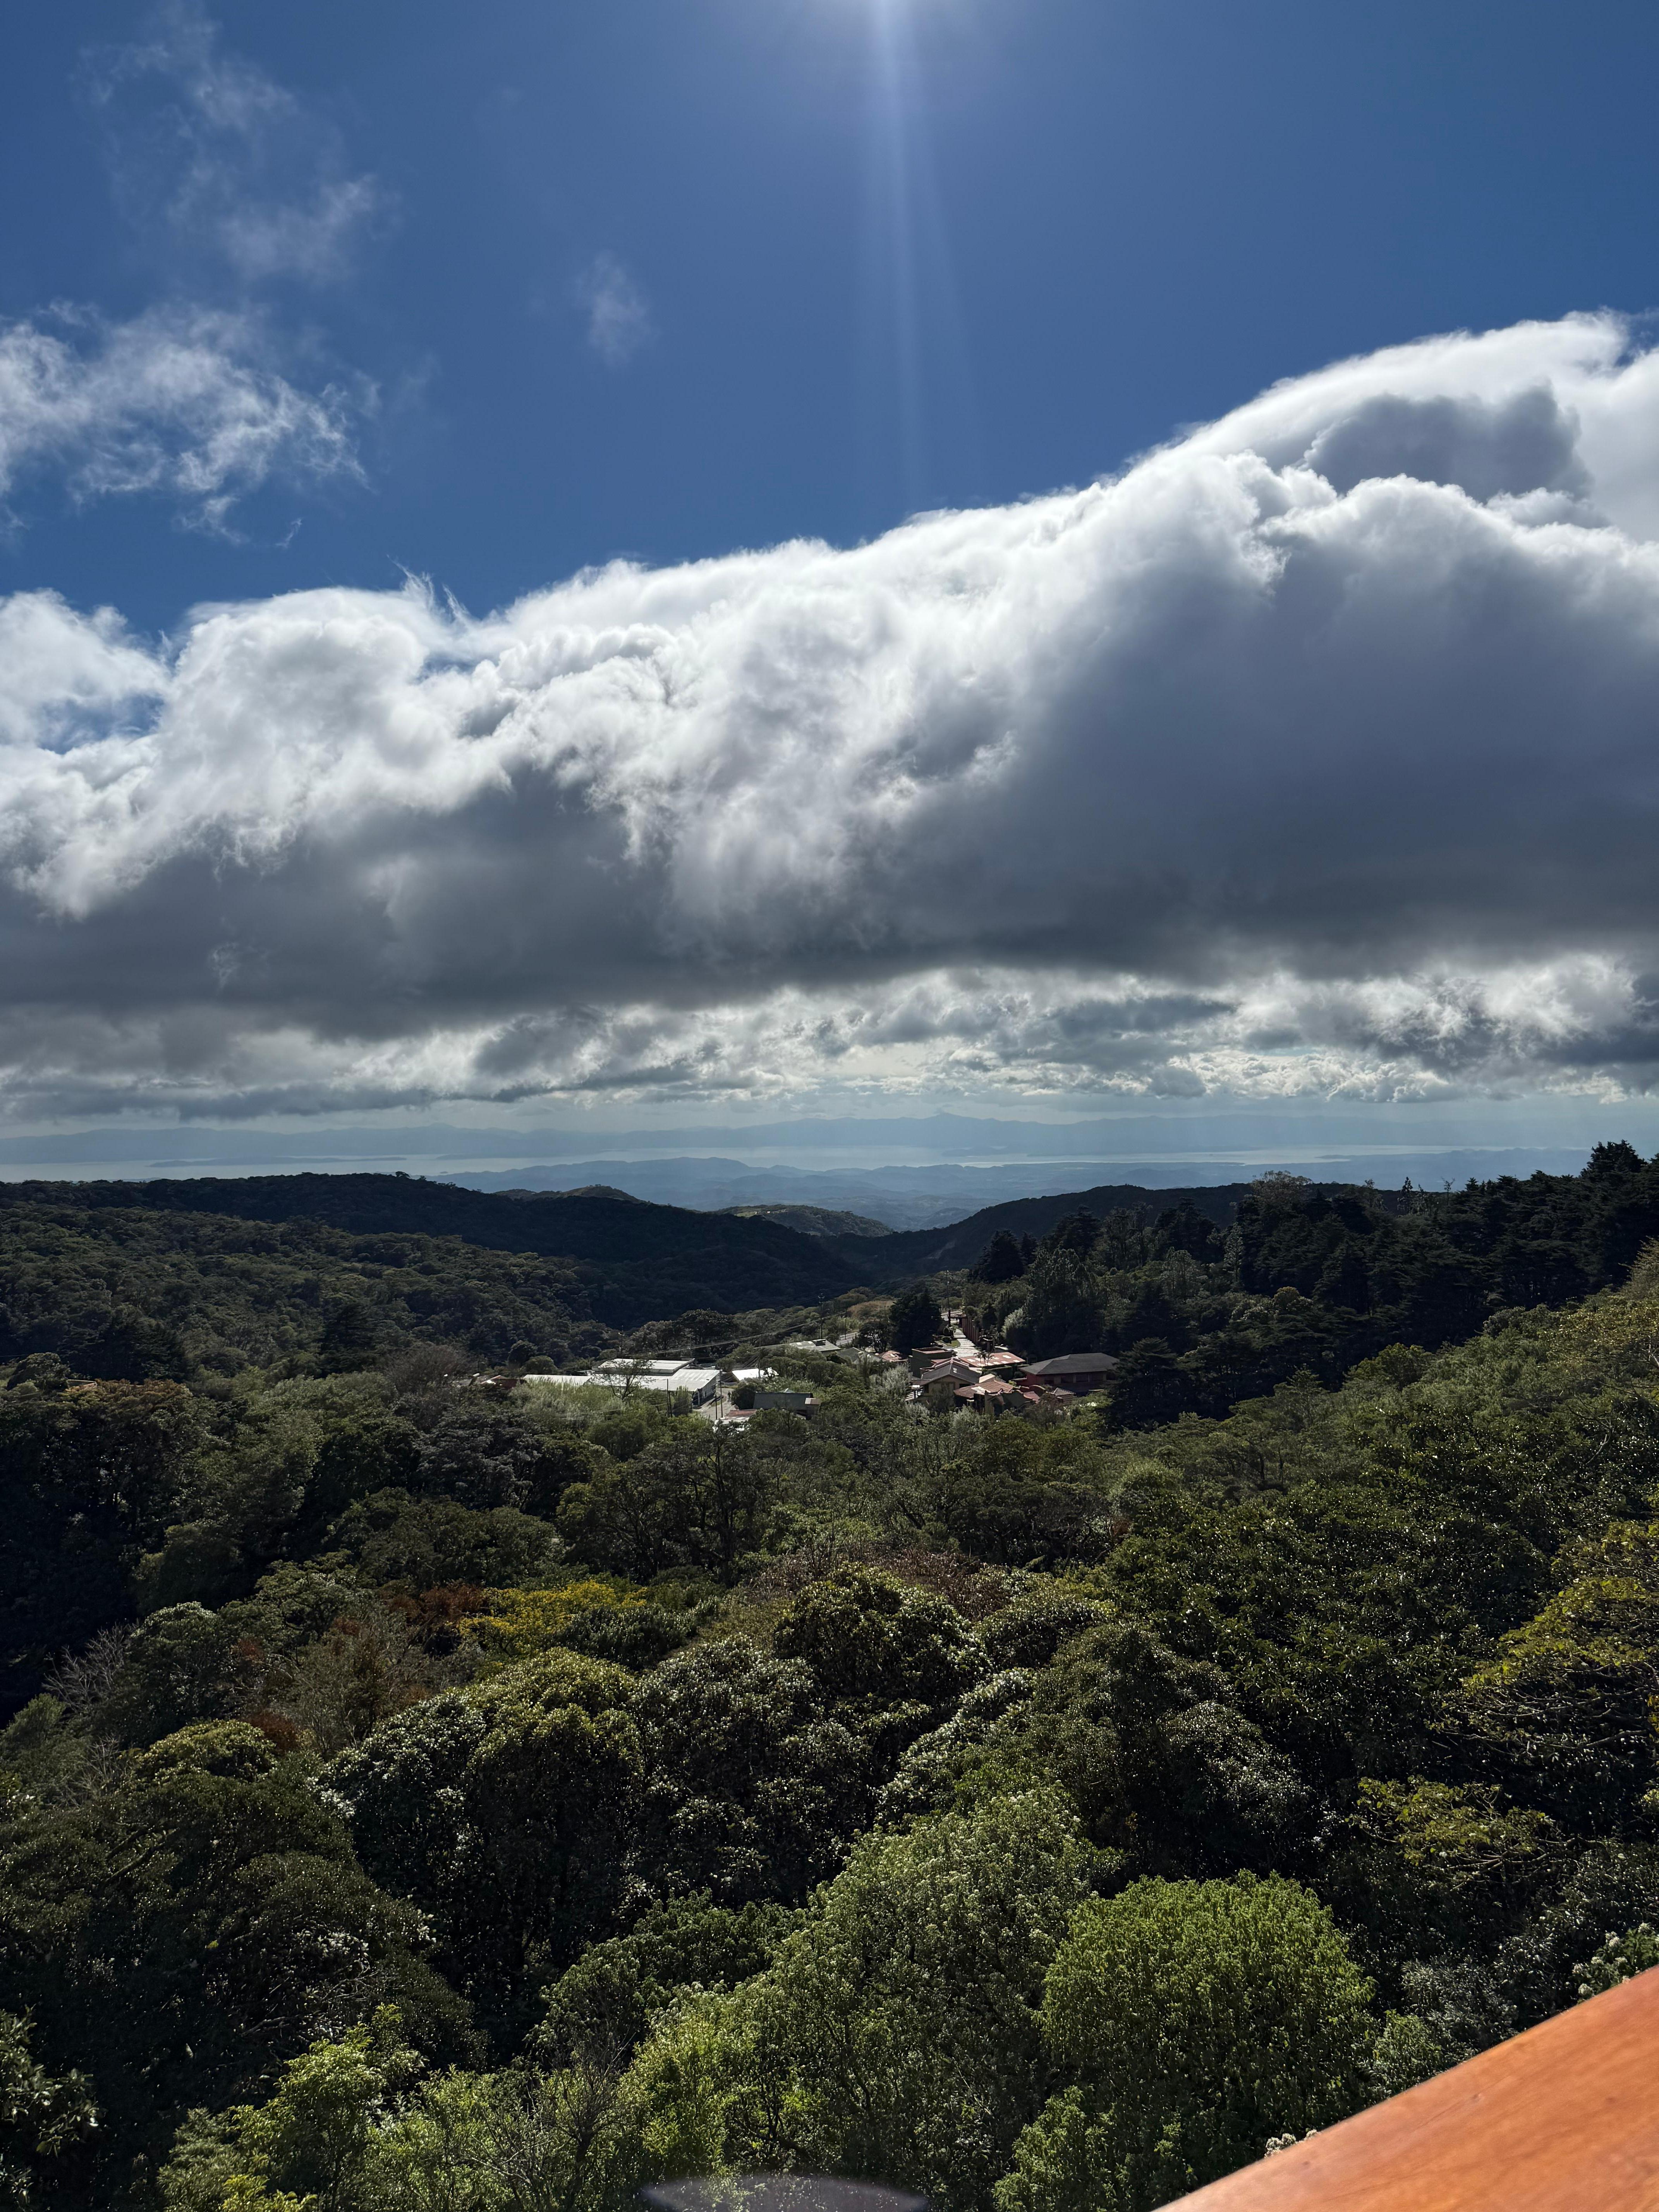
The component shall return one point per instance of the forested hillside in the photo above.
(130, 1294)
(428, 1793)
(935, 1251)
(634, 1261)
(1238, 1285)
(1561, 1230)
(1306, 1276)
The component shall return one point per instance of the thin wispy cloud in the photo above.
(618, 315)
(206, 150)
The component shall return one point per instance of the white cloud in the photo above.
(1314, 755)
(618, 315)
(194, 403)
(181, 404)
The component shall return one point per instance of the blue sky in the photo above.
(1305, 765)
(951, 252)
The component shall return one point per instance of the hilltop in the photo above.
(906, 1252)
(634, 1261)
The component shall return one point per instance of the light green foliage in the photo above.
(868, 1637)
(896, 2033)
(1568, 1701)
(229, 1750)
(1408, 2052)
(353, 2128)
(1620, 1959)
(600, 1616)
(1066, 2161)
(310, 2145)
(599, 2010)
(507, 2143)
(1455, 1838)
(42, 2116)
(975, 1754)
(1196, 2020)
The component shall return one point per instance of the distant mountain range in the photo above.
(1188, 1146)
(906, 1172)
(813, 1220)
(927, 1196)
(918, 1197)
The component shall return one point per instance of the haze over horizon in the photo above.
(910, 1171)
(390, 732)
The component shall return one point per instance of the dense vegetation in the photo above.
(959, 1244)
(1479, 1222)
(634, 1261)
(1204, 1312)
(130, 1294)
(431, 1793)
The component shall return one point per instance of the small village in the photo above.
(987, 1378)
(953, 1374)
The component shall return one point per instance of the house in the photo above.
(1078, 1372)
(938, 1382)
(1038, 1397)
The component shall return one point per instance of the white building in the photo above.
(699, 1384)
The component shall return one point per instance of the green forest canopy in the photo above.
(422, 1784)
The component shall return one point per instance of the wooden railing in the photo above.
(1564, 2118)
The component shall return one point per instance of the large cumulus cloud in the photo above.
(1317, 751)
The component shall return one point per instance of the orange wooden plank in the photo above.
(1564, 2118)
